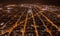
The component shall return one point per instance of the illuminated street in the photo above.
(29, 20)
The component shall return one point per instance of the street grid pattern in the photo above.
(29, 20)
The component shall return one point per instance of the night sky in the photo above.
(49, 2)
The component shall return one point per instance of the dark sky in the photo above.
(49, 2)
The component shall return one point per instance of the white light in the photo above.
(2, 24)
(0, 8)
(9, 8)
(21, 5)
(8, 11)
(11, 5)
(32, 25)
(45, 8)
(30, 11)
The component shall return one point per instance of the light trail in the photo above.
(25, 24)
(34, 25)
